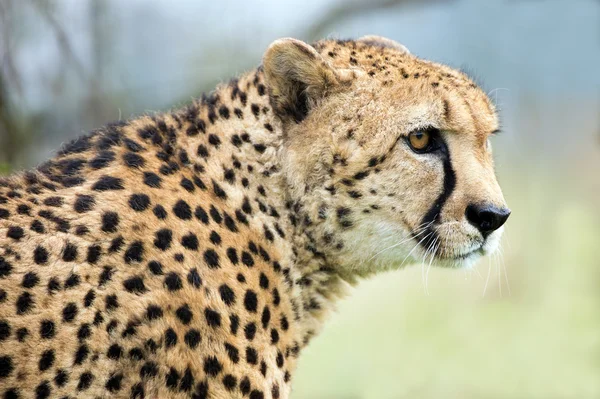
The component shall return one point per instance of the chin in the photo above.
(466, 256)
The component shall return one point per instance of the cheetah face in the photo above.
(391, 151)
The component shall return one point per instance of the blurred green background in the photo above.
(525, 324)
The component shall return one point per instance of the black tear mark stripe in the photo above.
(434, 213)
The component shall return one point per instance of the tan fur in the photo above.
(316, 199)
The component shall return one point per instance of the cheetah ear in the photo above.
(380, 41)
(297, 77)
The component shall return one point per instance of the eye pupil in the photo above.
(419, 140)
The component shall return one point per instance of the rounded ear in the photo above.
(380, 41)
(297, 77)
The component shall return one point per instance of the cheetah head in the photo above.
(389, 154)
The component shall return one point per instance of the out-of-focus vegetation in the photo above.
(526, 324)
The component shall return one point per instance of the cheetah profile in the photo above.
(195, 253)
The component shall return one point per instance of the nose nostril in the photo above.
(486, 218)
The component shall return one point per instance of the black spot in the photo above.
(93, 253)
(85, 380)
(88, 300)
(133, 160)
(69, 312)
(43, 390)
(266, 317)
(102, 160)
(110, 221)
(4, 330)
(245, 386)
(247, 259)
(47, 329)
(38, 227)
(148, 370)
(116, 244)
(215, 215)
(53, 285)
(211, 258)
(155, 268)
(135, 285)
(163, 239)
(250, 331)
(111, 302)
(202, 151)
(6, 266)
(250, 301)
(227, 294)
(84, 332)
(152, 179)
(106, 275)
(160, 212)
(232, 352)
(194, 279)
(113, 384)
(46, 360)
(172, 379)
(214, 140)
(69, 253)
(139, 202)
(230, 223)
(187, 381)
(134, 253)
(190, 241)
(24, 303)
(53, 201)
(256, 394)
(251, 355)
(229, 382)
(170, 338)
(22, 333)
(15, 232)
(192, 338)
(213, 318)
(201, 215)
(173, 281)
(61, 378)
(30, 280)
(274, 336)
(219, 192)
(114, 352)
(234, 322)
(182, 210)
(137, 391)
(232, 255)
(236, 141)
(106, 183)
(184, 314)
(72, 281)
(224, 111)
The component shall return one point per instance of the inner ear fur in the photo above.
(297, 77)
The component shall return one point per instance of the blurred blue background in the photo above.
(524, 324)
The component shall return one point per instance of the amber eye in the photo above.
(419, 140)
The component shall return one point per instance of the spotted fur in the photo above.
(195, 253)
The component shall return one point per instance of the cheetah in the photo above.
(195, 253)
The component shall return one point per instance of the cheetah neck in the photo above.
(234, 134)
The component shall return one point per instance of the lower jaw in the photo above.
(460, 261)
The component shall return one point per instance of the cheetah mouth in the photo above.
(469, 255)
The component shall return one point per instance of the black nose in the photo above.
(486, 218)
